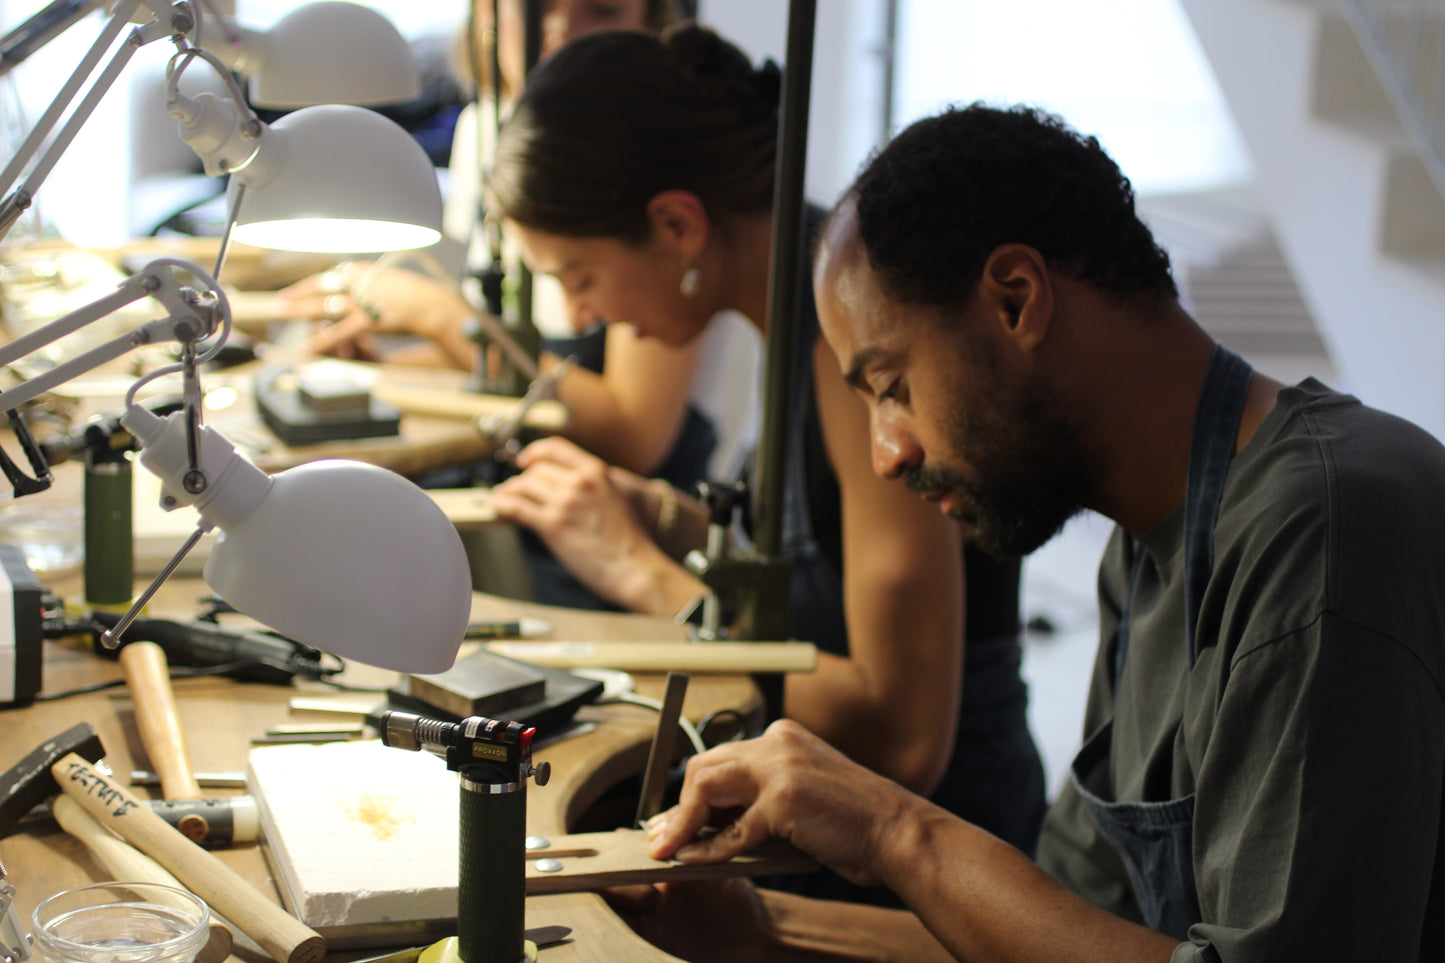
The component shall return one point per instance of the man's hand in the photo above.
(786, 783)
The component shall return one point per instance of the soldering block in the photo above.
(362, 838)
(480, 684)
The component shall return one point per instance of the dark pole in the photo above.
(889, 58)
(783, 278)
(532, 55)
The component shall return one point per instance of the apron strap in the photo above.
(1216, 426)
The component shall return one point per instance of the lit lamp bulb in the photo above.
(331, 178)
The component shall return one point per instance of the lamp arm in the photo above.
(18, 201)
(39, 30)
(62, 100)
(190, 318)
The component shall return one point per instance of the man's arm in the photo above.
(981, 898)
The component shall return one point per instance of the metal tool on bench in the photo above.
(64, 764)
(659, 756)
(503, 432)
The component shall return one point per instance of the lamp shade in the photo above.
(343, 556)
(332, 52)
(338, 179)
(354, 560)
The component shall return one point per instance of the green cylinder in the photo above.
(109, 538)
(491, 888)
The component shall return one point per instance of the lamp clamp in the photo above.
(14, 941)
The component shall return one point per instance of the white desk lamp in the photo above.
(339, 555)
(333, 52)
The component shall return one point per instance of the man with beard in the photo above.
(1265, 731)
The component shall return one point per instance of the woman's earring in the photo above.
(690, 281)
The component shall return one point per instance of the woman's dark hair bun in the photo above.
(722, 72)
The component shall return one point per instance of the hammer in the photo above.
(63, 763)
(208, 821)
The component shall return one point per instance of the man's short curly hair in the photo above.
(948, 190)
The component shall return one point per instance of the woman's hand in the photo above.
(358, 303)
(786, 783)
(592, 517)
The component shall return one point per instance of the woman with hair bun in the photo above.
(639, 171)
(628, 401)
(642, 405)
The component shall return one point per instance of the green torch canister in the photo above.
(109, 539)
(494, 761)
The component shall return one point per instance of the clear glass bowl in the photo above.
(51, 534)
(122, 923)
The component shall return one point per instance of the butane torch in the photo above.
(493, 759)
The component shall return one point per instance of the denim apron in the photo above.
(1154, 839)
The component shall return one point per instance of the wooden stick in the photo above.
(701, 657)
(465, 507)
(545, 416)
(278, 932)
(621, 859)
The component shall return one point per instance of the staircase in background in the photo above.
(1236, 282)
(1341, 104)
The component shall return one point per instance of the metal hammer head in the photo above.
(30, 783)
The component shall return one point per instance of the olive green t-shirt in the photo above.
(1312, 725)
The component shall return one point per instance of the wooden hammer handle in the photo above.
(148, 676)
(124, 862)
(228, 893)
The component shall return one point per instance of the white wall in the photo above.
(1323, 184)
(1153, 103)
(1129, 71)
(847, 79)
(84, 196)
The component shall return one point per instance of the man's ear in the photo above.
(1017, 284)
(679, 220)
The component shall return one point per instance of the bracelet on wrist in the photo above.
(666, 509)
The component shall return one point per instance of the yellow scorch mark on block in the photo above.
(379, 814)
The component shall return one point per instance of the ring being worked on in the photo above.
(372, 311)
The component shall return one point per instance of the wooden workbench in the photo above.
(222, 716)
(41, 282)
